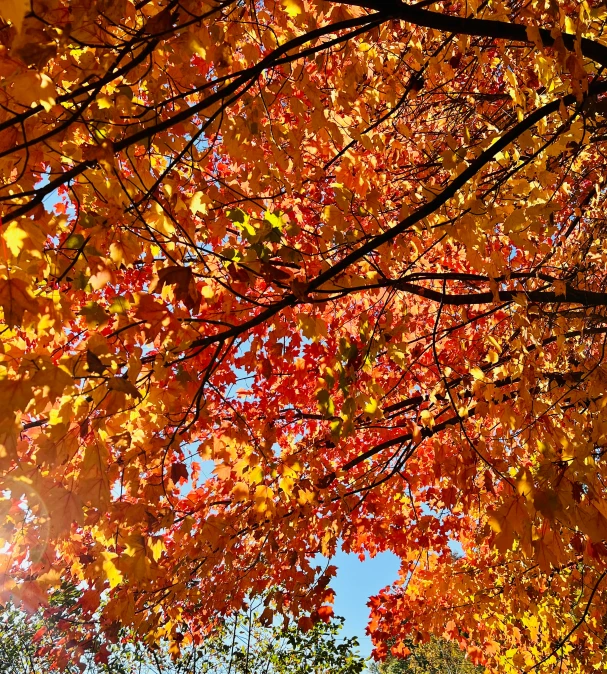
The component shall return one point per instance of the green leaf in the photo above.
(74, 242)
(236, 215)
(94, 314)
(119, 305)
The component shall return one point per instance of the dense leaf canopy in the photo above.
(278, 277)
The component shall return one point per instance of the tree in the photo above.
(437, 656)
(241, 645)
(352, 253)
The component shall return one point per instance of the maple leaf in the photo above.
(94, 314)
(36, 88)
(64, 508)
(124, 386)
(15, 300)
(292, 7)
(94, 363)
(52, 380)
(179, 472)
(160, 22)
(111, 571)
(183, 280)
(240, 491)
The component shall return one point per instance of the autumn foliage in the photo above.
(278, 277)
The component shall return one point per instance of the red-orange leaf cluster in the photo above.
(278, 277)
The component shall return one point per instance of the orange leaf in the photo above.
(15, 300)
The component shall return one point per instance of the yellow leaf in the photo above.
(112, 574)
(371, 406)
(199, 203)
(240, 491)
(254, 476)
(14, 237)
(477, 373)
(292, 468)
(426, 419)
(286, 484)
(104, 102)
(524, 487)
(292, 7)
(306, 496)
(263, 498)
(156, 546)
(495, 343)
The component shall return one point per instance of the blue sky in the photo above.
(356, 581)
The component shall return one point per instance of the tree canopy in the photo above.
(282, 276)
